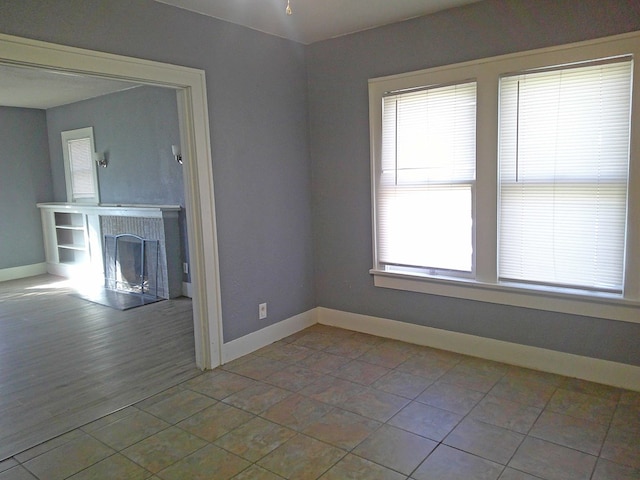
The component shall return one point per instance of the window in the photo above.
(80, 170)
(564, 158)
(513, 179)
(427, 176)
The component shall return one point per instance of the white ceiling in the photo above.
(314, 20)
(35, 88)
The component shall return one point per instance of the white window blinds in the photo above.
(80, 174)
(424, 201)
(81, 162)
(563, 162)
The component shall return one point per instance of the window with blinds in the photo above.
(424, 197)
(80, 156)
(80, 169)
(563, 166)
(513, 179)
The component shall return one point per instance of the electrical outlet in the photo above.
(262, 311)
(185, 268)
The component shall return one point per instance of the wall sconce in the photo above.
(101, 159)
(175, 149)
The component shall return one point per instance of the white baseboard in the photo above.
(23, 271)
(187, 289)
(576, 366)
(266, 336)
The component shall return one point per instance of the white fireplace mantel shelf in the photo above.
(113, 209)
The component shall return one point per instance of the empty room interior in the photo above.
(292, 239)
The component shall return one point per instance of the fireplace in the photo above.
(131, 264)
(164, 230)
(76, 237)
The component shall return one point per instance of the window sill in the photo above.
(598, 305)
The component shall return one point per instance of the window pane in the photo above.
(425, 191)
(429, 135)
(564, 155)
(426, 227)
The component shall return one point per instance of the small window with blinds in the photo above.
(424, 196)
(80, 169)
(563, 165)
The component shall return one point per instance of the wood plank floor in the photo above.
(65, 362)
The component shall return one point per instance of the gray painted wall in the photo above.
(256, 90)
(25, 179)
(338, 71)
(136, 129)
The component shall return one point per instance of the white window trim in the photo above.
(486, 287)
(79, 134)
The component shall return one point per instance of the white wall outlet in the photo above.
(185, 268)
(262, 311)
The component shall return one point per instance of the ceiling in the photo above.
(28, 87)
(314, 20)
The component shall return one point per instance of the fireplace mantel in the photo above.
(113, 209)
(73, 234)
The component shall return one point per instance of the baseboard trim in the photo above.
(187, 289)
(23, 271)
(586, 368)
(266, 336)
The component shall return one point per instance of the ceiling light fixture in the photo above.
(288, 9)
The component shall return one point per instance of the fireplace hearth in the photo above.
(130, 271)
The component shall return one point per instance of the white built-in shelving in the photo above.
(72, 239)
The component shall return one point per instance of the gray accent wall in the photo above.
(135, 129)
(25, 179)
(338, 71)
(256, 91)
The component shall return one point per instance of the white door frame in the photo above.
(196, 151)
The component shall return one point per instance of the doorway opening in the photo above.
(189, 85)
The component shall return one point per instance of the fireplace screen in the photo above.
(131, 264)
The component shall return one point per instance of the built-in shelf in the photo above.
(67, 242)
(72, 247)
(71, 238)
(69, 220)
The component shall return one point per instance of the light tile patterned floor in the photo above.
(331, 404)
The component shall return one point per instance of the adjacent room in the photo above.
(392, 240)
(66, 336)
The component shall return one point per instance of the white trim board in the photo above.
(266, 336)
(585, 368)
(24, 271)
